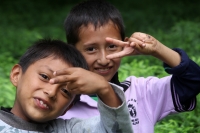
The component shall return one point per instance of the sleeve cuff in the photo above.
(181, 67)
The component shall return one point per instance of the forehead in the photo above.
(52, 62)
(91, 27)
(91, 34)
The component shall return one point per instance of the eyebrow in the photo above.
(89, 43)
(47, 68)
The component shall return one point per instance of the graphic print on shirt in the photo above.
(132, 110)
(132, 103)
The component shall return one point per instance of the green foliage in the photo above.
(180, 123)
(183, 34)
(7, 92)
(140, 68)
(174, 23)
(16, 44)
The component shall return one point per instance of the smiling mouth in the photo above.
(103, 70)
(41, 104)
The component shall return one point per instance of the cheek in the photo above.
(117, 62)
(90, 59)
(62, 104)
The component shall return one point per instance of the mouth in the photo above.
(42, 104)
(105, 70)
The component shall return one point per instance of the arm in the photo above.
(78, 83)
(115, 119)
(141, 43)
(111, 119)
(108, 96)
(185, 82)
(112, 104)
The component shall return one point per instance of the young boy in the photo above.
(96, 28)
(39, 100)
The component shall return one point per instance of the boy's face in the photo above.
(36, 99)
(93, 46)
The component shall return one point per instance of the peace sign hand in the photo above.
(138, 43)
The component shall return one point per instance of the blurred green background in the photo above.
(175, 23)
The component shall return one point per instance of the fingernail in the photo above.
(51, 81)
(132, 43)
(54, 73)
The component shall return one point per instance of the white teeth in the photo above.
(43, 104)
(103, 69)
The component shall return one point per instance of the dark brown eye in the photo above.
(112, 47)
(66, 92)
(44, 76)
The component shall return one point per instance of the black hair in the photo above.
(96, 12)
(46, 48)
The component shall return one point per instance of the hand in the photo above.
(81, 81)
(138, 43)
(144, 43)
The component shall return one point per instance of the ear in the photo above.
(126, 39)
(15, 74)
(69, 107)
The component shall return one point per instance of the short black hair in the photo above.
(96, 12)
(48, 47)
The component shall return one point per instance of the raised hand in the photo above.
(138, 43)
(81, 81)
(144, 43)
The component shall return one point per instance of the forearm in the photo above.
(111, 119)
(185, 79)
(116, 119)
(109, 97)
(167, 55)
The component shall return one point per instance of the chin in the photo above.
(108, 79)
(40, 120)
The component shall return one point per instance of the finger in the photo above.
(143, 37)
(115, 55)
(120, 54)
(116, 42)
(66, 71)
(73, 85)
(74, 91)
(60, 79)
(134, 42)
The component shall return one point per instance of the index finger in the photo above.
(117, 42)
(66, 71)
(62, 76)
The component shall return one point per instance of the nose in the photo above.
(102, 60)
(51, 91)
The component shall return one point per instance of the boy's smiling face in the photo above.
(93, 46)
(36, 99)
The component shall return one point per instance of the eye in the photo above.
(112, 47)
(44, 77)
(66, 93)
(91, 49)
